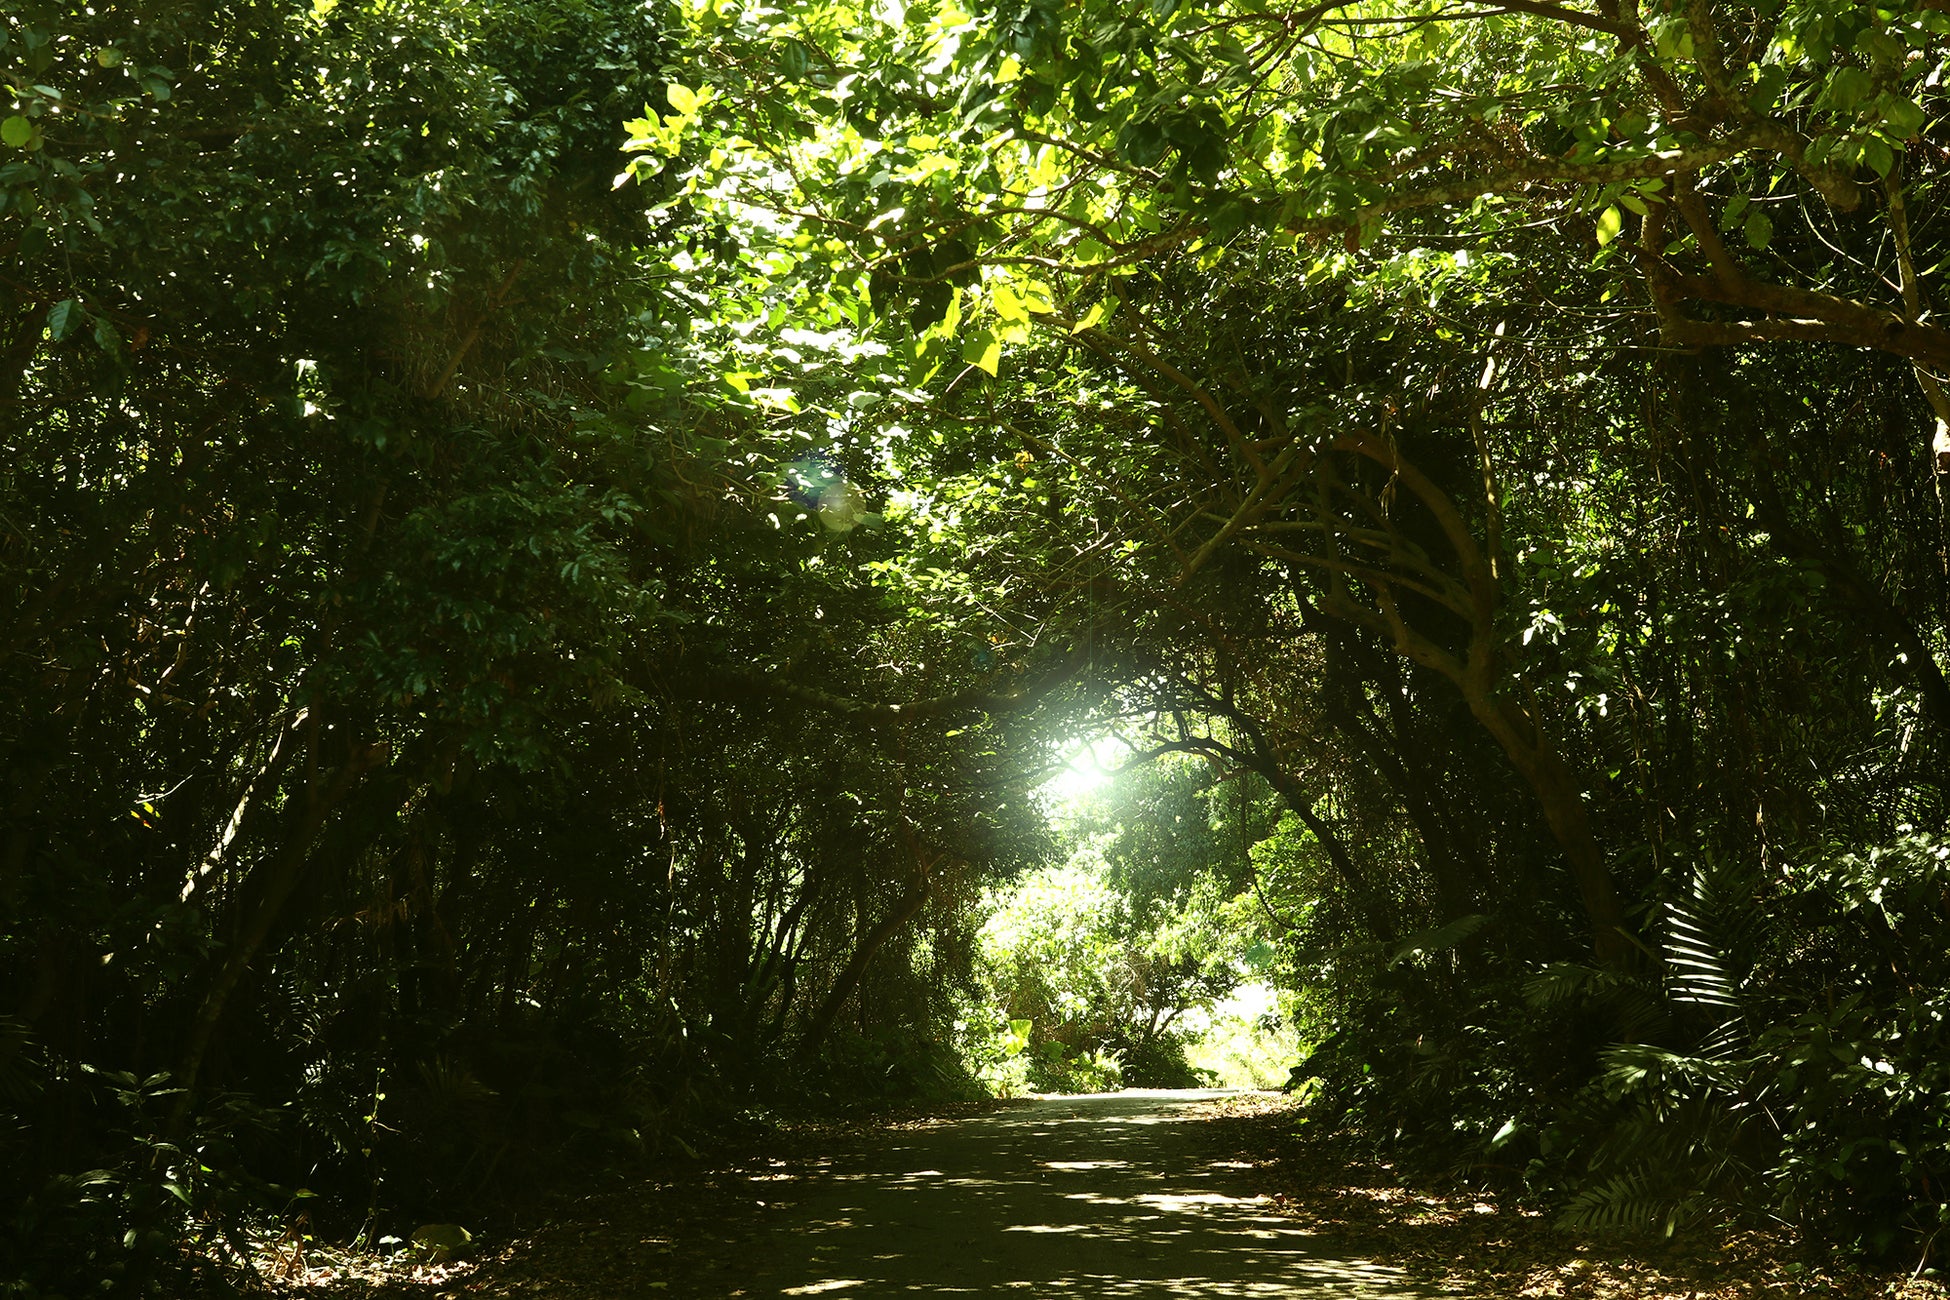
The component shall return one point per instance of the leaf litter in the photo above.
(1486, 1242)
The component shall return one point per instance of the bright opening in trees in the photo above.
(1136, 958)
(1082, 775)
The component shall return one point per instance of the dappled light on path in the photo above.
(1112, 1196)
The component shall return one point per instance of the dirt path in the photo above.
(1111, 1196)
(1131, 1196)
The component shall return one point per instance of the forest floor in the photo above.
(1129, 1195)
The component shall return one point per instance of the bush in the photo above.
(1807, 1072)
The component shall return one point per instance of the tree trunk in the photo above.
(282, 875)
(905, 909)
(1557, 790)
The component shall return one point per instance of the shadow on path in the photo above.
(1113, 1196)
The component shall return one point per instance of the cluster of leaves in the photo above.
(1796, 1060)
(1099, 971)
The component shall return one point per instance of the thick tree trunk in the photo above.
(1550, 778)
(1472, 593)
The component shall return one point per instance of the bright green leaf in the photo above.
(983, 351)
(1092, 318)
(1008, 306)
(1610, 222)
(16, 131)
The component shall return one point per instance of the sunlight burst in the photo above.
(1083, 774)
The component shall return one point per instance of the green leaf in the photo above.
(683, 99)
(1879, 156)
(1225, 222)
(60, 318)
(16, 131)
(793, 60)
(1008, 306)
(1610, 222)
(983, 350)
(1874, 45)
(1438, 938)
(1092, 318)
(1758, 229)
(1903, 116)
(1847, 87)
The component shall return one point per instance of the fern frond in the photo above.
(1637, 1200)
(1627, 1200)
(1564, 982)
(1710, 937)
(1438, 938)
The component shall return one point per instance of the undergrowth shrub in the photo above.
(140, 1212)
(1804, 1072)
(867, 1069)
(1784, 1058)
(1458, 1075)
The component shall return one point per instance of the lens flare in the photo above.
(819, 486)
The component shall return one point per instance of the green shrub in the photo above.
(1806, 1076)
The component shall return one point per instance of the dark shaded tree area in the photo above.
(507, 664)
(397, 802)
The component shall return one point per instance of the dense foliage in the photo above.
(399, 799)
(507, 659)
(1105, 968)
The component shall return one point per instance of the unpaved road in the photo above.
(1112, 1196)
